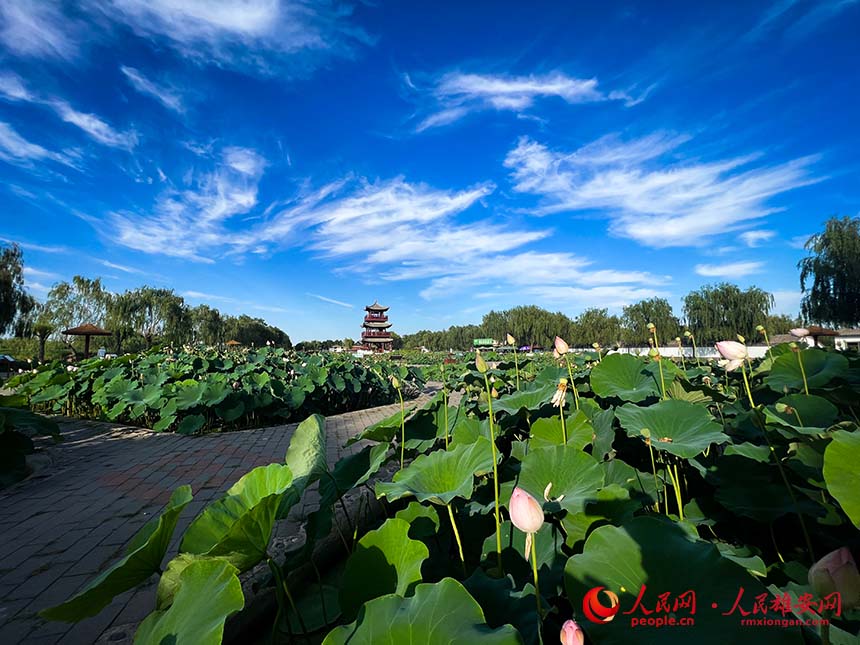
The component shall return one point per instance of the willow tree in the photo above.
(658, 311)
(13, 298)
(721, 311)
(833, 269)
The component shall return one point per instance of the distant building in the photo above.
(848, 339)
(374, 333)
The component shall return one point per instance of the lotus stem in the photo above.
(535, 573)
(572, 383)
(802, 373)
(695, 351)
(563, 425)
(282, 583)
(517, 367)
(681, 352)
(457, 537)
(654, 470)
(775, 546)
(767, 342)
(675, 486)
(402, 429)
(495, 473)
(445, 402)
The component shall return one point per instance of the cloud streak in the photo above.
(730, 270)
(456, 95)
(166, 96)
(331, 300)
(650, 196)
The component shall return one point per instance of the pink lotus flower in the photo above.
(837, 572)
(526, 512)
(733, 352)
(572, 634)
(560, 346)
(800, 332)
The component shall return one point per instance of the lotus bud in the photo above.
(572, 634)
(837, 572)
(677, 339)
(395, 382)
(800, 332)
(494, 393)
(759, 328)
(653, 353)
(651, 326)
(236, 385)
(526, 512)
(555, 354)
(511, 340)
(687, 333)
(595, 345)
(480, 363)
(560, 346)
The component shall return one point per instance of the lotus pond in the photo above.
(647, 501)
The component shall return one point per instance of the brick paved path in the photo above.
(60, 528)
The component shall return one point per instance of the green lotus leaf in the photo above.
(525, 399)
(841, 460)
(423, 520)
(208, 591)
(164, 423)
(306, 457)
(677, 427)
(574, 474)
(352, 471)
(548, 431)
(438, 614)
(231, 409)
(821, 368)
(808, 414)
(384, 430)
(238, 526)
(191, 424)
(750, 451)
(142, 558)
(646, 552)
(626, 377)
(503, 604)
(384, 561)
(442, 475)
(189, 394)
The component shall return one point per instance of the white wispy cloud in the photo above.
(37, 29)
(457, 94)
(648, 194)
(13, 88)
(191, 223)
(41, 248)
(730, 270)
(121, 267)
(331, 300)
(797, 19)
(17, 150)
(258, 35)
(94, 126)
(201, 295)
(39, 274)
(799, 241)
(755, 238)
(168, 97)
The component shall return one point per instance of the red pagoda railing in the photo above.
(376, 334)
(376, 319)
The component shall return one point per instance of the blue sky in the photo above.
(297, 160)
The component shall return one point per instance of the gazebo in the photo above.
(817, 332)
(86, 331)
(232, 343)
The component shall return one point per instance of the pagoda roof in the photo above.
(376, 339)
(381, 324)
(376, 307)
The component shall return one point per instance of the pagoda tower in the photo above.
(374, 331)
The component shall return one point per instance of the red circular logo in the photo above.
(596, 611)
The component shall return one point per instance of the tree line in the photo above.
(712, 313)
(137, 318)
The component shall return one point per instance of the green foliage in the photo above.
(833, 268)
(721, 311)
(13, 297)
(656, 311)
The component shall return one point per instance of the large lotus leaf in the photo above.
(821, 367)
(188, 394)
(383, 430)
(208, 592)
(627, 377)
(191, 424)
(808, 414)
(574, 474)
(231, 409)
(142, 559)
(442, 475)
(239, 525)
(385, 561)
(352, 471)
(678, 427)
(29, 423)
(426, 425)
(423, 519)
(438, 614)
(664, 558)
(754, 489)
(215, 390)
(548, 431)
(841, 460)
(525, 399)
(306, 454)
(504, 604)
